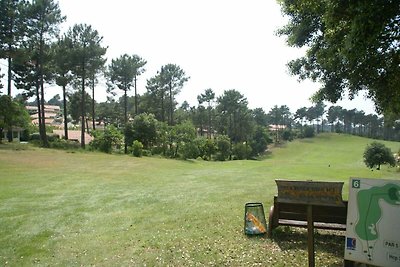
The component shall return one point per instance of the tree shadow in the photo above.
(331, 242)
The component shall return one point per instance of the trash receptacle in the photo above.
(254, 219)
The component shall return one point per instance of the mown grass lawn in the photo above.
(81, 208)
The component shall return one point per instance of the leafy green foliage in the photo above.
(352, 46)
(12, 114)
(287, 135)
(260, 140)
(206, 147)
(180, 135)
(173, 78)
(309, 132)
(87, 57)
(75, 102)
(190, 150)
(377, 154)
(223, 147)
(122, 73)
(242, 151)
(137, 148)
(64, 144)
(235, 119)
(106, 140)
(144, 129)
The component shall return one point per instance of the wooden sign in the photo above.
(310, 192)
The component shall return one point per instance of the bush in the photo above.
(260, 140)
(308, 132)
(242, 151)
(50, 137)
(104, 141)
(64, 144)
(146, 153)
(34, 136)
(207, 147)
(287, 135)
(189, 150)
(376, 154)
(223, 147)
(137, 148)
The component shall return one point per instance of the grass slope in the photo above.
(63, 208)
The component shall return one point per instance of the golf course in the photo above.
(80, 208)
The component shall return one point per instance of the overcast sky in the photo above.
(220, 44)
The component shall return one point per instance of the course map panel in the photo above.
(373, 222)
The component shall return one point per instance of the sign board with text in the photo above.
(373, 222)
(310, 192)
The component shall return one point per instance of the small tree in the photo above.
(137, 148)
(242, 151)
(223, 147)
(376, 154)
(308, 132)
(104, 141)
(190, 150)
(207, 147)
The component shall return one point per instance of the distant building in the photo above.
(74, 135)
(274, 127)
(52, 115)
(16, 134)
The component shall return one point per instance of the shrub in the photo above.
(242, 151)
(146, 153)
(287, 135)
(105, 140)
(223, 147)
(308, 132)
(376, 154)
(206, 146)
(50, 137)
(260, 140)
(34, 136)
(64, 144)
(189, 150)
(137, 148)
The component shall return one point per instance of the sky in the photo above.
(220, 44)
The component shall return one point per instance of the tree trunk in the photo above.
(209, 121)
(136, 99)
(125, 120)
(9, 73)
(40, 65)
(171, 110)
(162, 107)
(38, 106)
(45, 141)
(65, 114)
(93, 115)
(83, 108)
(87, 125)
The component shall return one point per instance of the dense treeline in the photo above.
(218, 127)
(221, 127)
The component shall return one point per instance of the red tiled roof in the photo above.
(74, 135)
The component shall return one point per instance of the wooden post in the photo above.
(310, 241)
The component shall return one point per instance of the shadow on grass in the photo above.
(331, 242)
(14, 146)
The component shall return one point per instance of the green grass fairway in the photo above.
(72, 209)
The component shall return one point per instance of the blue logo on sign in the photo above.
(350, 243)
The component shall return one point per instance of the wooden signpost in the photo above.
(310, 193)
